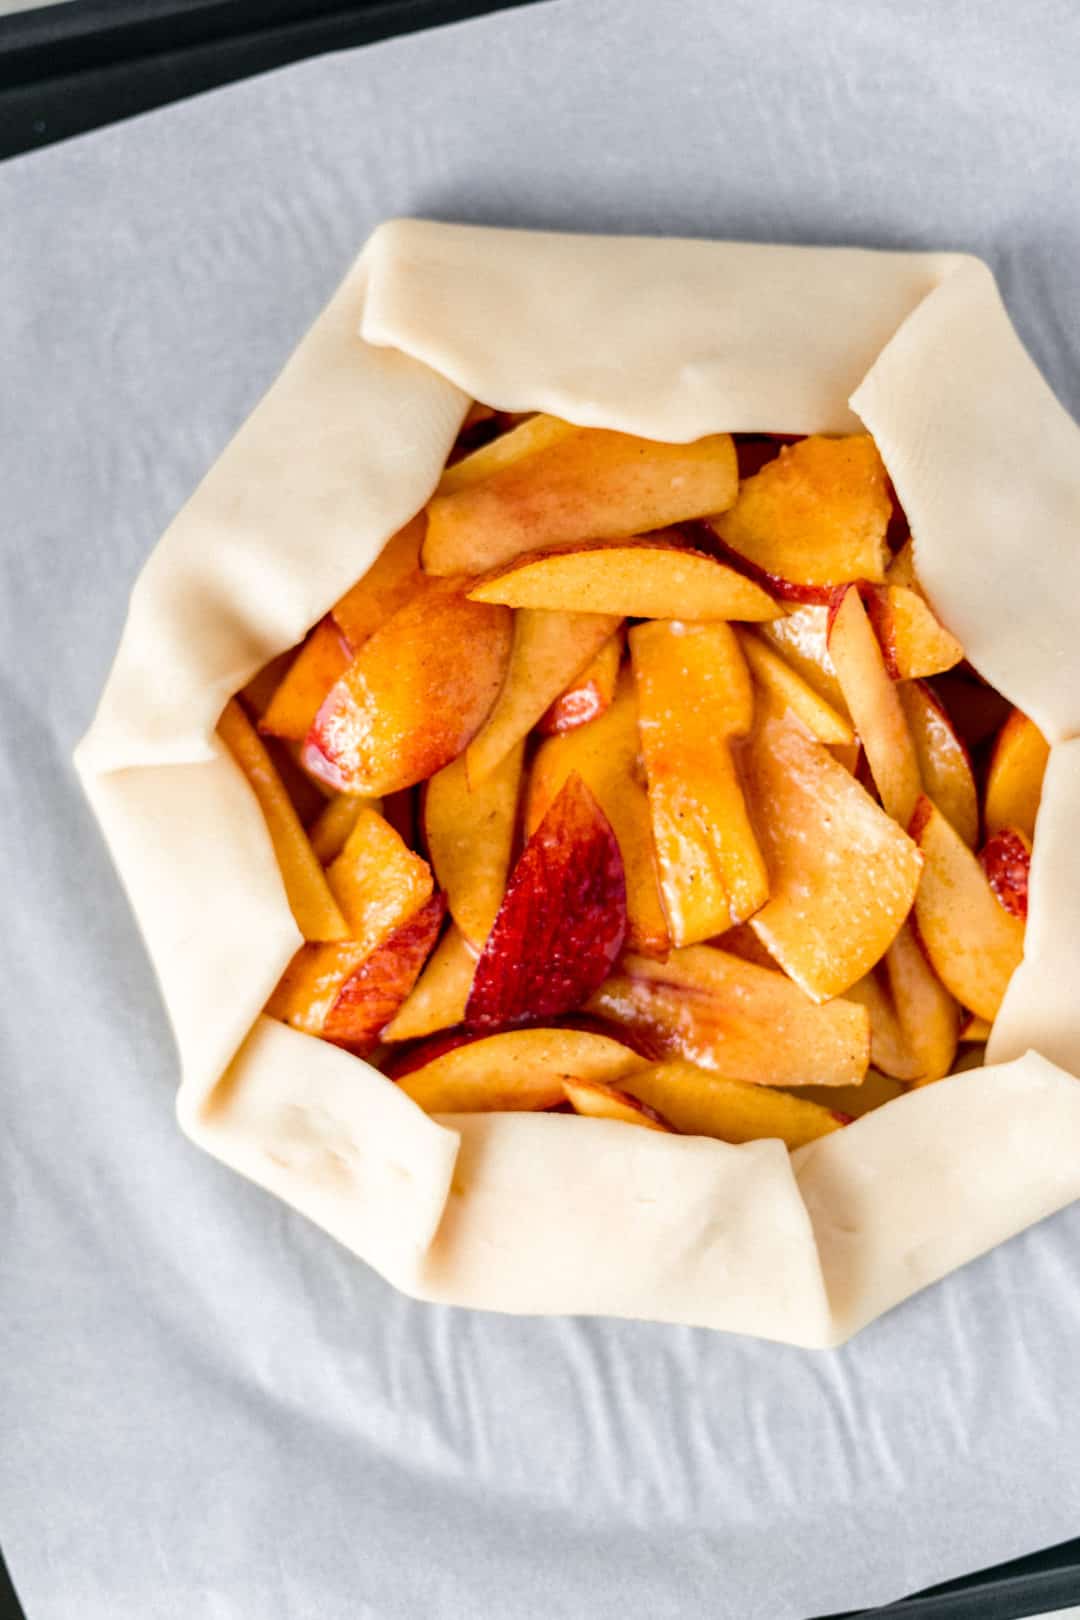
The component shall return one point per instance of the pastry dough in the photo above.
(669, 339)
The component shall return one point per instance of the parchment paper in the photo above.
(207, 1406)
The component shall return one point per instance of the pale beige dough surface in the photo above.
(673, 340)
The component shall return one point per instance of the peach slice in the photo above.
(605, 755)
(874, 704)
(813, 518)
(731, 1016)
(319, 664)
(598, 1099)
(437, 1000)
(973, 944)
(801, 637)
(469, 833)
(562, 921)
(589, 482)
(393, 578)
(901, 571)
(377, 880)
(653, 577)
(317, 914)
(588, 695)
(534, 434)
(874, 1092)
(842, 874)
(549, 649)
(346, 993)
(335, 821)
(414, 696)
(519, 1069)
(257, 694)
(1006, 860)
(1015, 775)
(701, 1104)
(694, 694)
(914, 641)
(925, 1011)
(889, 1050)
(944, 762)
(789, 690)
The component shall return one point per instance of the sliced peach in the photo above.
(973, 944)
(319, 664)
(378, 882)
(654, 577)
(317, 914)
(874, 705)
(944, 762)
(874, 1092)
(925, 1011)
(741, 1020)
(437, 1000)
(519, 1069)
(742, 941)
(801, 637)
(1006, 860)
(549, 649)
(789, 690)
(534, 434)
(694, 693)
(562, 921)
(256, 695)
(334, 823)
(914, 641)
(605, 754)
(814, 517)
(598, 1099)
(889, 1050)
(469, 833)
(1015, 775)
(842, 874)
(346, 993)
(701, 1104)
(588, 694)
(389, 583)
(587, 483)
(414, 696)
(901, 571)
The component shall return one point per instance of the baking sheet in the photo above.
(206, 1406)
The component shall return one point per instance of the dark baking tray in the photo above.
(72, 67)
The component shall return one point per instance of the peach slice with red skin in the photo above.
(378, 882)
(913, 640)
(944, 762)
(414, 696)
(521, 1069)
(698, 1103)
(801, 637)
(874, 705)
(842, 874)
(335, 821)
(813, 518)
(548, 650)
(731, 1016)
(1006, 860)
(504, 450)
(655, 576)
(393, 578)
(314, 908)
(973, 944)
(1015, 775)
(347, 993)
(694, 695)
(437, 1000)
(585, 482)
(469, 832)
(605, 755)
(317, 667)
(598, 1099)
(588, 695)
(562, 921)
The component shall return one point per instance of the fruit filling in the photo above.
(642, 781)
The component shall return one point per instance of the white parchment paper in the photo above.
(208, 1408)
